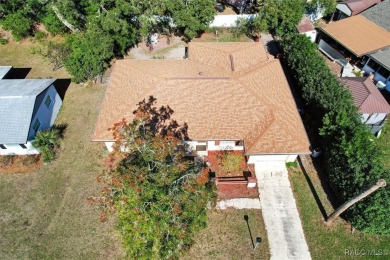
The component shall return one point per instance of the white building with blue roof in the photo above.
(26, 107)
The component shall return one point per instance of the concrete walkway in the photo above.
(241, 203)
(281, 217)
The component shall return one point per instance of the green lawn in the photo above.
(329, 242)
(384, 142)
(44, 214)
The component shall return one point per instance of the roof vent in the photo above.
(201, 73)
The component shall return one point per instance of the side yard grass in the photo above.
(384, 143)
(227, 236)
(337, 241)
(44, 214)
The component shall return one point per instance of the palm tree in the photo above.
(47, 141)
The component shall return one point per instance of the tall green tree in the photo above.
(90, 54)
(160, 196)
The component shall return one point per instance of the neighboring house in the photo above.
(230, 95)
(352, 39)
(306, 27)
(352, 7)
(372, 105)
(379, 14)
(379, 64)
(26, 106)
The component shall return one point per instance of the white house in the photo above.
(372, 105)
(26, 106)
(307, 28)
(230, 94)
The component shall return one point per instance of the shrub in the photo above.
(47, 142)
(3, 41)
(53, 25)
(20, 24)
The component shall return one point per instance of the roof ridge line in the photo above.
(258, 66)
(198, 43)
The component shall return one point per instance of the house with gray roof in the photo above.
(379, 14)
(26, 107)
(372, 106)
(378, 63)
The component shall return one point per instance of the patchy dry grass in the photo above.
(44, 214)
(329, 242)
(227, 236)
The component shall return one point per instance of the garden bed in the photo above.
(20, 163)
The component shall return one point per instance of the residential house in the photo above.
(306, 27)
(372, 105)
(351, 8)
(352, 39)
(26, 106)
(379, 62)
(230, 95)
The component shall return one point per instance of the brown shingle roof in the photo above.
(358, 6)
(252, 103)
(366, 95)
(358, 34)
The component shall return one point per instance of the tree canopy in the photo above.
(160, 196)
(118, 23)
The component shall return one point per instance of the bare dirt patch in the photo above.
(20, 163)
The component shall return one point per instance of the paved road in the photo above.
(281, 217)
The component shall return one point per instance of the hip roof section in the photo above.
(249, 101)
(366, 95)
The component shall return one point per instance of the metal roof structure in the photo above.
(366, 95)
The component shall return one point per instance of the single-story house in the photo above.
(306, 27)
(379, 64)
(372, 105)
(379, 14)
(352, 39)
(26, 106)
(352, 7)
(230, 95)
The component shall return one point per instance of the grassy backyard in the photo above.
(329, 242)
(44, 214)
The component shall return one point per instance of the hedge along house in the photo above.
(26, 106)
(230, 95)
(372, 106)
(351, 8)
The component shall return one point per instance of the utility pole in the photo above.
(380, 183)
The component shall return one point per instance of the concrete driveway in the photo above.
(281, 217)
